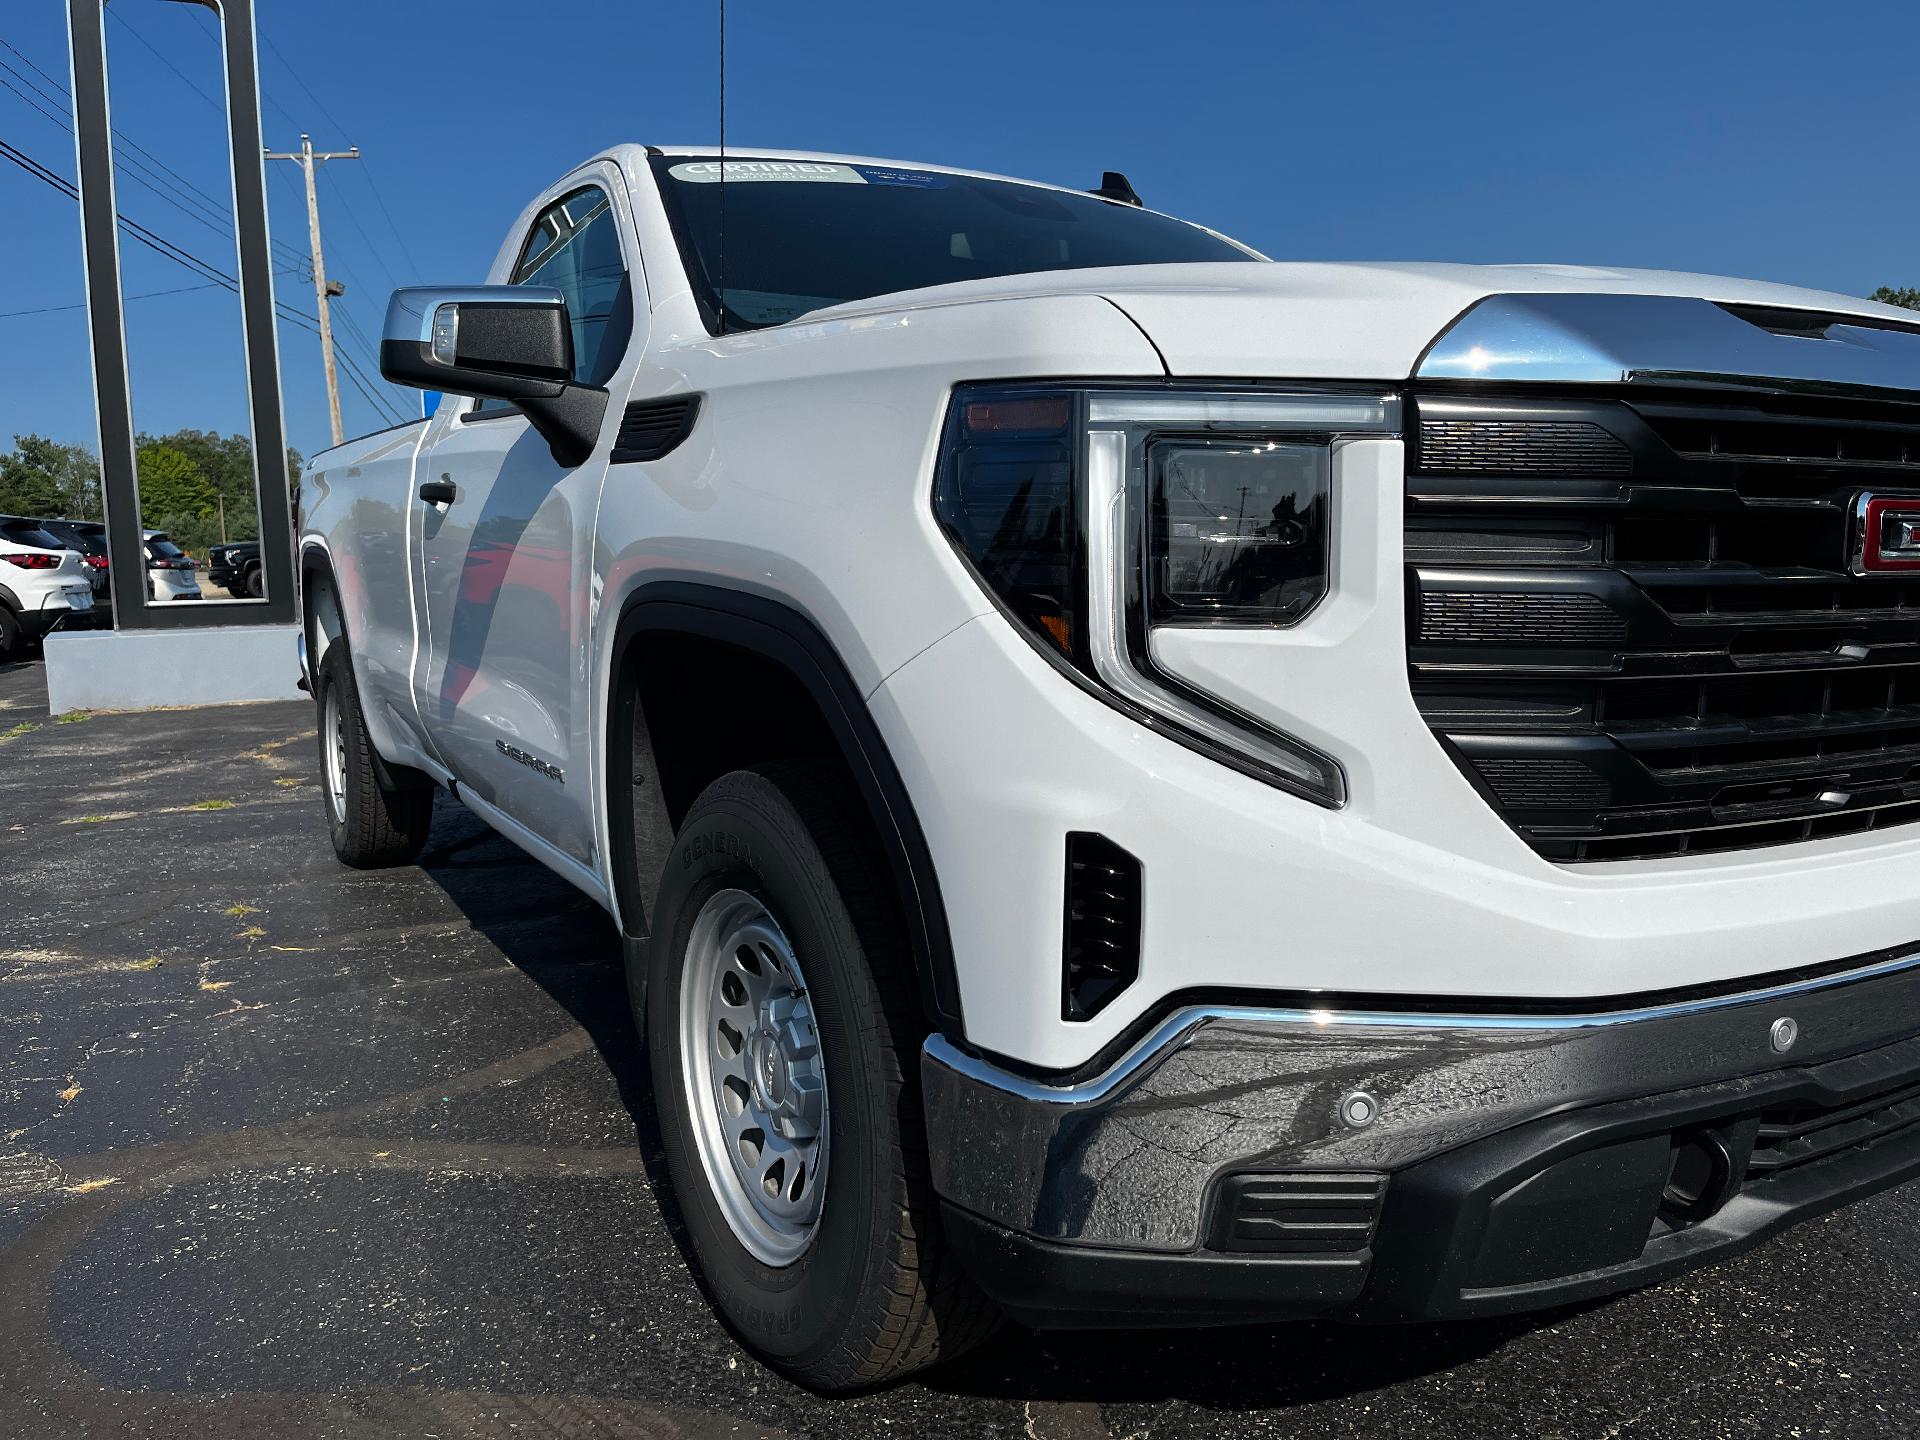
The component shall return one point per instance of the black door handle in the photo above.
(438, 492)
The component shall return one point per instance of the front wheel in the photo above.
(373, 826)
(783, 1026)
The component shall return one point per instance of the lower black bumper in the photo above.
(1580, 1202)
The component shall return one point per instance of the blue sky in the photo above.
(1764, 139)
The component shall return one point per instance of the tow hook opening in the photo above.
(1701, 1177)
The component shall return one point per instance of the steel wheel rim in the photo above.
(333, 751)
(755, 1077)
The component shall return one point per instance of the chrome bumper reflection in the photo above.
(1127, 1157)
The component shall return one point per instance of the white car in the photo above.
(1147, 784)
(42, 585)
(170, 574)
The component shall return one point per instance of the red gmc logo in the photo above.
(1886, 534)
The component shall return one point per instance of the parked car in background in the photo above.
(89, 537)
(235, 568)
(170, 569)
(1142, 784)
(42, 585)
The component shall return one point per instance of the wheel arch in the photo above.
(320, 602)
(646, 792)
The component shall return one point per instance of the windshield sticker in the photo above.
(917, 179)
(814, 172)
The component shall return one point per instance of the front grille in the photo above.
(1801, 1134)
(1632, 623)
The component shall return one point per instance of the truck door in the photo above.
(506, 565)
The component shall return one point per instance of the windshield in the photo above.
(802, 235)
(161, 548)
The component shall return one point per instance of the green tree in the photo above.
(171, 484)
(227, 463)
(42, 477)
(1904, 295)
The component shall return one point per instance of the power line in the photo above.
(212, 205)
(319, 104)
(366, 172)
(133, 228)
(133, 172)
(127, 25)
(81, 304)
(147, 172)
(361, 231)
(161, 245)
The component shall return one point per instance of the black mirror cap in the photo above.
(496, 342)
(506, 342)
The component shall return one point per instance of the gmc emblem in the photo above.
(1886, 534)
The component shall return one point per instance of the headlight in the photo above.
(1097, 516)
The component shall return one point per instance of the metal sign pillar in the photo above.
(100, 243)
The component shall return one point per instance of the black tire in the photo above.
(250, 586)
(373, 827)
(12, 642)
(875, 1295)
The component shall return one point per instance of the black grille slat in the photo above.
(1671, 657)
(1448, 617)
(1803, 1134)
(1522, 447)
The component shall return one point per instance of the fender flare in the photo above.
(785, 636)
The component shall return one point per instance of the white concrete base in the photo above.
(152, 669)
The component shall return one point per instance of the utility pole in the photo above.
(323, 289)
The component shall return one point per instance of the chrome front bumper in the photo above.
(1133, 1158)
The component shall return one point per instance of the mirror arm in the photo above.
(569, 421)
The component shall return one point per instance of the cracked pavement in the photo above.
(286, 1147)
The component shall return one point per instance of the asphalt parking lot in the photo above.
(290, 1149)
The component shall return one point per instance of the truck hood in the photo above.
(1352, 321)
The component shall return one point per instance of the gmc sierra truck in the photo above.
(1146, 785)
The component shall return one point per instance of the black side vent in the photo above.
(652, 428)
(1306, 1212)
(1102, 924)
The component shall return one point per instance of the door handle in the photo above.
(438, 492)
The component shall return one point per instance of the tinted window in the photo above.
(26, 532)
(801, 235)
(84, 538)
(575, 248)
(161, 548)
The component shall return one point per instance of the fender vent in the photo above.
(1102, 924)
(652, 428)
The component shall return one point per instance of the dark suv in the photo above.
(89, 537)
(236, 568)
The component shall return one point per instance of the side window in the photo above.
(574, 247)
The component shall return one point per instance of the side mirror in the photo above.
(499, 342)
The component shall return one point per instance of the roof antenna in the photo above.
(720, 227)
(1113, 186)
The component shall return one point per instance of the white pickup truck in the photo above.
(1143, 784)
